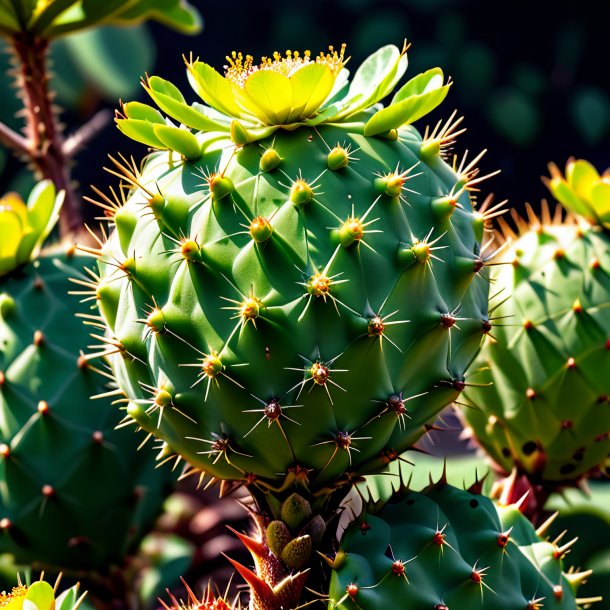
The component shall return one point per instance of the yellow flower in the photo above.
(582, 191)
(40, 595)
(23, 227)
(280, 90)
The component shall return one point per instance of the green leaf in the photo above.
(113, 58)
(177, 14)
(9, 22)
(170, 100)
(23, 10)
(143, 112)
(179, 140)
(374, 79)
(565, 194)
(44, 18)
(140, 131)
(417, 98)
(67, 599)
(242, 135)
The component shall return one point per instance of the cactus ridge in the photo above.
(447, 548)
(547, 410)
(75, 493)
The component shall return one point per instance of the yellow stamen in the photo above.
(239, 68)
(16, 593)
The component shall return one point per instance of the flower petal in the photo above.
(213, 88)
(582, 177)
(311, 86)
(269, 96)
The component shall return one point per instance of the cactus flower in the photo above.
(277, 91)
(582, 191)
(252, 101)
(23, 227)
(40, 596)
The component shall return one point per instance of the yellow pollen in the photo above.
(240, 67)
(16, 593)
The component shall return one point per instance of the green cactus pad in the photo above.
(283, 320)
(448, 549)
(74, 492)
(548, 410)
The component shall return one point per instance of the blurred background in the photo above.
(533, 84)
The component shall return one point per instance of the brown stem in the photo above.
(42, 127)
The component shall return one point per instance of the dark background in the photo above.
(532, 78)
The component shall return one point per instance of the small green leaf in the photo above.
(177, 14)
(42, 19)
(565, 194)
(171, 101)
(9, 21)
(417, 98)
(242, 135)
(373, 80)
(143, 112)
(179, 140)
(140, 131)
(67, 599)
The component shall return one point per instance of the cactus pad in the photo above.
(278, 314)
(548, 409)
(74, 492)
(448, 549)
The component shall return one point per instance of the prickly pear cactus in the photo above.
(447, 548)
(74, 492)
(547, 410)
(295, 287)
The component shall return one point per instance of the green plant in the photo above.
(58, 449)
(444, 547)
(546, 412)
(28, 27)
(295, 284)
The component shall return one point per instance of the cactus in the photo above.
(449, 548)
(546, 413)
(295, 284)
(75, 493)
